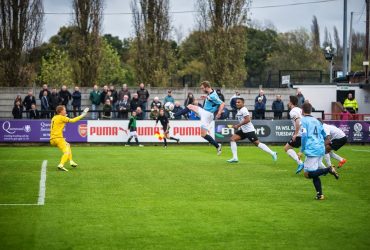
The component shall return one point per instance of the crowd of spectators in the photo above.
(108, 103)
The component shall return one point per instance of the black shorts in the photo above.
(338, 143)
(296, 143)
(250, 135)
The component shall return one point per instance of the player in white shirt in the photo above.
(295, 142)
(245, 129)
(335, 139)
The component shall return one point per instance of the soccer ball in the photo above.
(169, 106)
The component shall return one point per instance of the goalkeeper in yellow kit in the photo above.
(56, 135)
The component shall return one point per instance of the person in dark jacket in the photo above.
(124, 107)
(177, 108)
(44, 88)
(54, 101)
(28, 101)
(115, 100)
(139, 113)
(103, 94)
(124, 91)
(143, 95)
(76, 101)
(107, 110)
(134, 103)
(278, 108)
(45, 106)
(189, 99)
(220, 95)
(19, 99)
(95, 98)
(65, 96)
(300, 97)
(17, 110)
(34, 113)
(262, 95)
(233, 104)
(259, 109)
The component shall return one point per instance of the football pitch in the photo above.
(182, 197)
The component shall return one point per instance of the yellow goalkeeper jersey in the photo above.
(57, 125)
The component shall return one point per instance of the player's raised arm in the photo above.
(77, 118)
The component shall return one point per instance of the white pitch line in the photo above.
(42, 190)
(41, 200)
(361, 150)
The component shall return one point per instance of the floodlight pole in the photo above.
(350, 45)
(345, 54)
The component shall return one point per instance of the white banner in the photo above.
(117, 131)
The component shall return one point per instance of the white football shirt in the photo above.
(294, 114)
(333, 131)
(243, 112)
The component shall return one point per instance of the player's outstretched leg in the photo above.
(327, 160)
(292, 154)
(182, 112)
(265, 148)
(341, 160)
(234, 148)
(174, 139)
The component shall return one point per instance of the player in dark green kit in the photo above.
(132, 128)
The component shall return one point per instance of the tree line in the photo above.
(224, 47)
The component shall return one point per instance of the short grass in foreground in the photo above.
(180, 197)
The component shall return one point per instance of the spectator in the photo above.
(124, 91)
(278, 108)
(115, 100)
(259, 109)
(351, 104)
(76, 101)
(28, 101)
(224, 114)
(65, 96)
(34, 113)
(177, 108)
(154, 113)
(143, 95)
(134, 103)
(18, 98)
(107, 110)
(189, 99)
(123, 107)
(17, 110)
(44, 88)
(54, 101)
(169, 97)
(108, 96)
(45, 105)
(103, 94)
(156, 103)
(139, 113)
(220, 95)
(95, 97)
(262, 95)
(234, 109)
(345, 115)
(300, 98)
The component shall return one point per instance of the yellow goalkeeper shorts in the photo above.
(60, 143)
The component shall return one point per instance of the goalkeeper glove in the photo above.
(84, 113)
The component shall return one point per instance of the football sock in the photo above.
(294, 156)
(129, 140)
(165, 142)
(317, 183)
(64, 158)
(173, 138)
(318, 172)
(234, 149)
(137, 141)
(182, 112)
(265, 148)
(211, 140)
(335, 156)
(327, 160)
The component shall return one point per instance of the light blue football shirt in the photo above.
(313, 135)
(212, 102)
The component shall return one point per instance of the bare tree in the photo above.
(88, 15)
(315, 33)
(20, 31)
(152, 53)
(223, 42)
(337, 41)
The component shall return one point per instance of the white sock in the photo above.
(265, 148)
(234, 150)
(335, 156)
(294, 155)
(327, 160)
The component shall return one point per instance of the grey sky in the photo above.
(329, 14)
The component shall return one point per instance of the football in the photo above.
(169, 106)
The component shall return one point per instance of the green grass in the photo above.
(184, 197)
